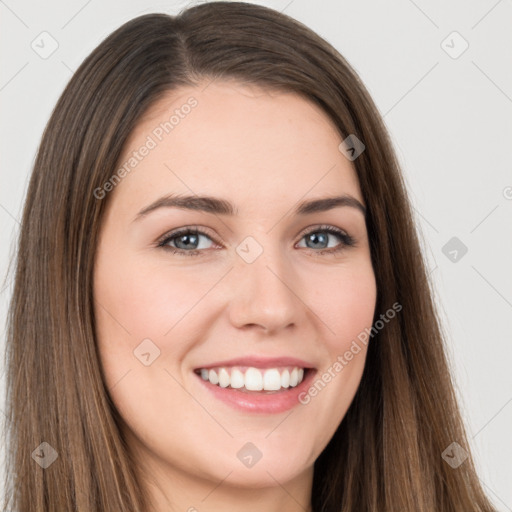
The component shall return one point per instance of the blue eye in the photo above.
(187, 238)
(186, 241)
(313, 237)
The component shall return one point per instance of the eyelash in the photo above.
(346, 240)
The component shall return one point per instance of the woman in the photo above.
(263, 372)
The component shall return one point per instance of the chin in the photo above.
(254, 468)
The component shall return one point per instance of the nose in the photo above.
(265, 294)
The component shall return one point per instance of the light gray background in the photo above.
(450, 120)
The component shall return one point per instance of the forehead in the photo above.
(243, 142)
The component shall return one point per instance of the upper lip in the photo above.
(259, 362)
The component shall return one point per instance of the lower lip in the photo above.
(260, 401)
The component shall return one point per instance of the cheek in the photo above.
(347, 306)
(146, 301)
(135, 303)
(347, 312)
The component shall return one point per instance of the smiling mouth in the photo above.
(249, 379)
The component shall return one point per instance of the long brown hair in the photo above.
(386, 455)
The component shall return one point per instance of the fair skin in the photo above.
(264, 152)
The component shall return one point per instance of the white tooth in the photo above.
(293, 378)
(300, 375)
(204, 373)
(253, 380)
(212, 376)
(285, 379)
(223, 378)
(272, 380)
(237, 379)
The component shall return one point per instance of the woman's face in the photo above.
(253, 298)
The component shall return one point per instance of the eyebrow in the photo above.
(221, 206)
